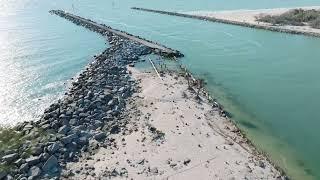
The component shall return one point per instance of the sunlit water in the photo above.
(267, 80)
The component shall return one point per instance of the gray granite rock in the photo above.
(10, 157)
(100, 136)
(33, 160)
(34, 171)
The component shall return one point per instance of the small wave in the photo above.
(256, 43)
(228, 34)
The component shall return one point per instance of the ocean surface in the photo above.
(269, 81)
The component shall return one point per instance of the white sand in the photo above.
(192, 131)
(249, 16)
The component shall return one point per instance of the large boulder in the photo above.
(51, 165)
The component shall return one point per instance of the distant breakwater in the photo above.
(245, 24)
(93, 107)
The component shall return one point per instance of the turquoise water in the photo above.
(268, 81)
(37, 58)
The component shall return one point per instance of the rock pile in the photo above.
(90, 110)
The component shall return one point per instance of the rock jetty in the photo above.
(93, 108)
(102, 28)
(225, 21)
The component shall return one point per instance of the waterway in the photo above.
(267, 80)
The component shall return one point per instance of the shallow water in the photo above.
(267, 80)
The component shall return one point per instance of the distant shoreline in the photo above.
(245, 18)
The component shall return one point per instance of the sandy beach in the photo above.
(170, 135)
(249, 17)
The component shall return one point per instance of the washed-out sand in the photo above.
(171, 135)
(249, 17)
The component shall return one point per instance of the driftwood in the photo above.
(155, 69)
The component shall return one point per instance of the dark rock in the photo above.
(83, 115)
(186, 162)
(54, 147)
(100, 136)
(131, 65)
(36, 151)
(68, 139)
(44, 156)
(261, 164)
(115, 129)
(64, 129)
(24, 168)
(83, 140)
(98, 123)
(73, 122)
(2, 174)
(33, 160)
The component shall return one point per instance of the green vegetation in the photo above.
(10, 139)
(296, 17)
(19, 142)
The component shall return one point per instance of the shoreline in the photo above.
(240, 18)
(195, 141)
(94, 110)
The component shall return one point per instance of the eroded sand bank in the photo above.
(173, 136)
